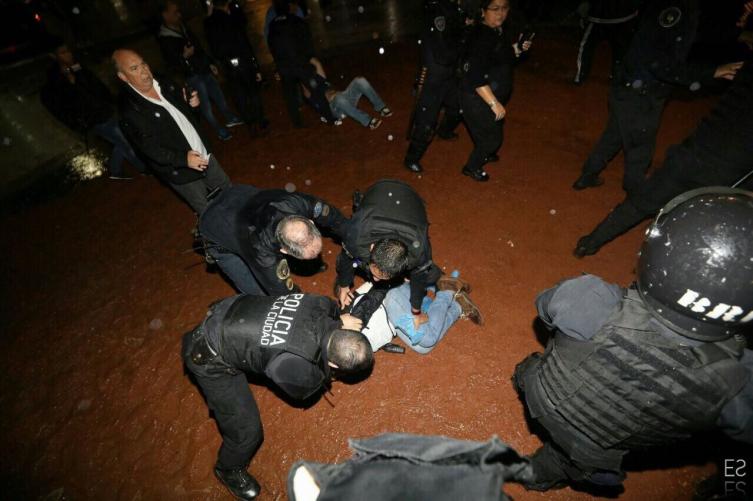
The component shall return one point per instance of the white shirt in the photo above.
(185, 125)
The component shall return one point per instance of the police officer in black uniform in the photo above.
(228, 42)
(297, 341)
(247, 231)
(387, 237)
(292, 48)
(654, 63)
(441, 42)
(650, 365)
(718, 152)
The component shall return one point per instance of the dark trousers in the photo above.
(486, 132)
(634, 118)
(246, 93)
(195, 193)
(434, 95)
(237, 271)
(291, 80)
(121, 148)
(230, 400)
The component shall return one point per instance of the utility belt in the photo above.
(202, 352)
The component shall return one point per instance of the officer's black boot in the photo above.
(621, 219)
(415, 152)
(239, 482)
(587, 181)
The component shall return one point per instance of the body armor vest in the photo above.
(258, 328)
(631, 388)
(390, 210)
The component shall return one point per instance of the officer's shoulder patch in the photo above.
(283, 270)
(318, 209)
(440, 23)
(669, 17)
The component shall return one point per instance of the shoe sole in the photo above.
(464, 286)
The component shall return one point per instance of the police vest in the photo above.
(390, 210)
(258, 328)
(631, 388)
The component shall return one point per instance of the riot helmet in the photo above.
(695, 270)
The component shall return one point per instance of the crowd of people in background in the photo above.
(687, 371)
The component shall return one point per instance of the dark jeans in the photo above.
(634, 118)
(121, 149)
(246, 93)
(195, 193)
(237, 271)
(230, 400)
(434, 95)
(292, 79)
(486, 132)
(210, 92)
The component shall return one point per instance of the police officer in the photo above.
(718, 152)
(387, 237)
(296, 340)
(654, 63)
(228, 42)
(247, 231)
(292, 48)
(650, 365)
(440, 49)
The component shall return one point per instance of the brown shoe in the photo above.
(455, 284)
(468, 308)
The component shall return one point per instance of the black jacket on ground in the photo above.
(80, 105)
(489, 61)
(227, 40)
(152, 131)
(243, 219)
(172, 42)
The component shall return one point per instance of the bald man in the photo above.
(160, 120)
(250, 233)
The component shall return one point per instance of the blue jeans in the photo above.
(121, 149)
(209, 91)
(442, 313)
(346, 102)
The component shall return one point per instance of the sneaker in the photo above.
(385, 112)
(120, 177)
(468, 308)
(454, 284)
(239, 482)
(234, 122)
(225, 135)
(374, 123)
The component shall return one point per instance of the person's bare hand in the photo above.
(746, 37)
(420, 319)
(277, 76)
(499, 111)
(727, 71)
(258, 77)
(188, 51)
(350, 322)
(747, 11)
(196, 162)
(194, 101)
(344, 296)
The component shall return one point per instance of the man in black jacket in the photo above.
(388, 237)
(292, 48)
(229, 43)
(75, 96)
(184, 55)
(158, 120)
(248, 232)
(297, 341)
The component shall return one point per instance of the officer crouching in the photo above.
(298, 341)
(650, 365)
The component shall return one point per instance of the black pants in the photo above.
(634, 118)
(436, 93)
(686, 166)
(230, 400)
(486, 132)
(292, 79)
(247, 93)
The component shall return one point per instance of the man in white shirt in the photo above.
(159, 121)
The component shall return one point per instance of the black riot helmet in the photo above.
(695, 269)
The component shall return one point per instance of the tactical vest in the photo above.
(631, 388)
(258, 328)
(390, 210)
